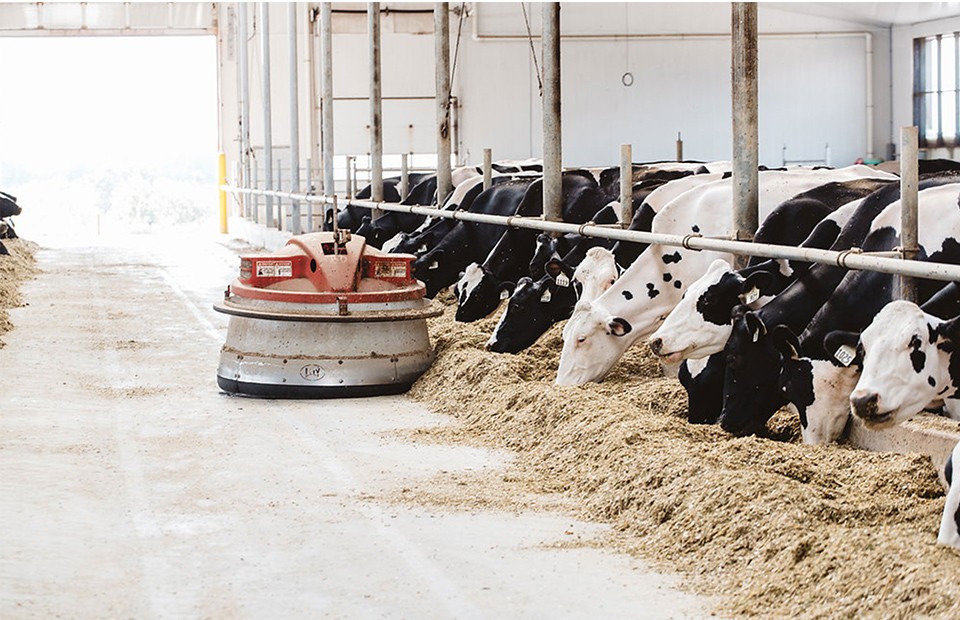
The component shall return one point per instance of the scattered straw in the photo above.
(15, 268)
(779, 529)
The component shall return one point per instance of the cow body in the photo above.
(950, 521)
(640, 300)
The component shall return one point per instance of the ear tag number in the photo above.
(562, 280)
(845, 354)
(433, 265)
(750, 296)
(504, 294)
(546, 297)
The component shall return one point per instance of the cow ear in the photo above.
(757, 280)
(506, 289)
(756, 326)
(366, 219)
(948, 331)
(786, 342)
(618, 326)
(842, 346)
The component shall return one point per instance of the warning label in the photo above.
(384, 269)
(275, 269)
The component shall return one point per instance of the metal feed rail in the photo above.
(850, 259)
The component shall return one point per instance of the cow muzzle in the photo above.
(866, 405)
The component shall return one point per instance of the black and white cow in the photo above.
(950, 521)
(391, 223)
(643, 296)
(8, 209)
(752, 388)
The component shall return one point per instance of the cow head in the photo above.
(532, 309)
(593, 341)
(374, 234)
(703, 381)
(544, 250)
(8, 206)
(596, 273)
(700, 324)
(817, 390)
(751, 394)
(479, 293)
(907, 356)
(434, 271)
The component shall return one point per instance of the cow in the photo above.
(752, 391)
(388, 225)
(640, 300)
(481, 287)
(950, 521)
(471, 242)
(8, 208)
(700, 323)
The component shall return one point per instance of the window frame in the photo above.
(923, 91)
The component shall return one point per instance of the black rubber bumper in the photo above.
(268, 390)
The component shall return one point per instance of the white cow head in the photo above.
(905, 364)
(596, 273)
(593, 341)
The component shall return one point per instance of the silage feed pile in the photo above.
(14, 269)
(777, 528)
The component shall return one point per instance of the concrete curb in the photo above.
(927, 434)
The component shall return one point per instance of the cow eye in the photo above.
(581, 339)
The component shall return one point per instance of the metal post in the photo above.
(349, 177)
(441, 44)
(909, 182)
(746, 195)
(626, 185)
(552, 155)
(308, 183)
(404, 176)
(222, 161)
(267, 135)
(255, 203)
(313, 15)
(294, 121)
(679, 147)
(326, 44)
(281, 215)
(487, 168)
(244, 70)
(376, 111)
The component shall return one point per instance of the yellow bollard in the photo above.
(223, 194)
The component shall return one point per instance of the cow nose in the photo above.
(865, 404)
(656, 345)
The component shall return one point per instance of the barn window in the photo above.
(936, 89)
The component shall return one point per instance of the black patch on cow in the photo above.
(677, 284)
(932, 333)
(948, 470)
(932, 381)
(695, 228)
(667, 277)
(796, 383)
(917, 357)
(716, 302)
(672, 258)
(627, 295)
(652, 290)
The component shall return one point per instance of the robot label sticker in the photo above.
(275, 269)
(312, 372)
(390, 270)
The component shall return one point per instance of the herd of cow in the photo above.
(820, 339)
(8, 208)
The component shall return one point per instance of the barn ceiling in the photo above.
(874, 13)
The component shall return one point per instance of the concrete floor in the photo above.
(131, 487)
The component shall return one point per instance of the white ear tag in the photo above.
(845, 354)
(433, 265)
(546, 297)
(423, 248)
(750, 296)
(504, 294)
(756, 335)
(562, 280)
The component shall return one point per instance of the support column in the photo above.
(552, 154)
(267, 130)
(746, 194)
(244, 69)
(376, 112)
(295, 226)
(626, 185)
(441, 39)
(326, 44)
(909, 185)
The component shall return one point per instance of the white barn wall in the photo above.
(812, 89)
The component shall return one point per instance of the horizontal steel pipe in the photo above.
(850, 259)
